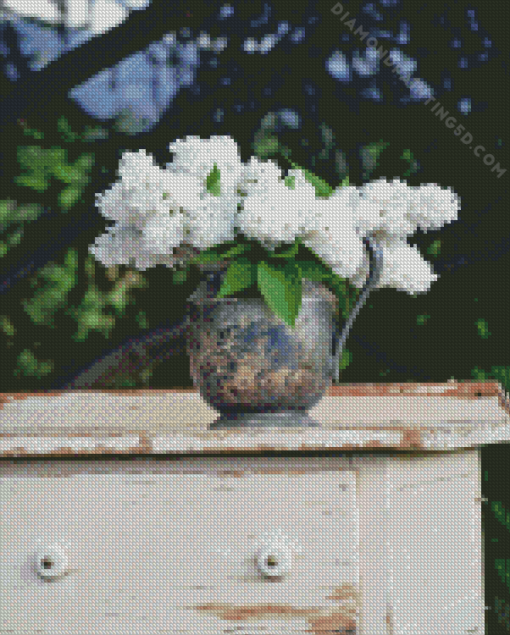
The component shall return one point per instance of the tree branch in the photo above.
(80, 64)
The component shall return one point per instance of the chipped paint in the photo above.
(201, 577)
(159, 421)
(342, 620)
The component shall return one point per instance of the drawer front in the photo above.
(189, 548)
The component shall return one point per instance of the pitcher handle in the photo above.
(339, 337)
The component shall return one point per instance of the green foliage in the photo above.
(291, 252)
(281, 288)
(41, 165)
(90, 313)
(180, 275)
(12, 221)
(59, 280)
(7, 326)
(65, 130)
(312, 270)
(141, 318)
(266, 147)
(89, 134)
(346, 359)
(500, 373)
(434, 249)
(483, 328)
(29, 365)
(290, 182)
(369, 155)
(321, 187)
(414, 165)
(31, 132)
(240, 275)
(213, 181)
(237, 250)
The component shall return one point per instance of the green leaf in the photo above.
(32, 132)
(345, 182)
(370, 155)
(28, 365)
(483, 328)
(435, 248)
(235, 251)
(30, 157)
(85, 161)
(55, 156)
(240, 275)
(180, 276)
(290, 182)
(346, 359)
(69, 196)
(267, 146)
(205, 258)
(142, 320)
(321, 187)
(36, 181)
(281, 288)
(313, 270)
(213, 181)
(65, 130)
(15, 239)
(92, 134)
(213, 254)
(67, 174)
(7, 213)
(290, 253)
(7, 326)
(414, 165)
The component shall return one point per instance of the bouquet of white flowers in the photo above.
(209, 206)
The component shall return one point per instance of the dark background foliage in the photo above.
(428, 340)
(61, 312)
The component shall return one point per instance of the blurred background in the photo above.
(81, 81)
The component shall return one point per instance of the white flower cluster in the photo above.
(165, 216)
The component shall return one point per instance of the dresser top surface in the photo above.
(409, 416)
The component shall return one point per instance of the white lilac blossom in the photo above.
(197, 156)
(385, 206)
(403, 269)
(392, 211)
(165, 216)
(150, 206)
(397, 209)
(257, 175)
(122, 245)
(434, 206)
(273, 212)
(212, 222)
(332, 234)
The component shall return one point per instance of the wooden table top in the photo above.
(385, 416)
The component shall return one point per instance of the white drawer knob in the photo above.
(275, 560)
(275, 554)
(51, 561)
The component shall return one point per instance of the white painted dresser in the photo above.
(121, 513)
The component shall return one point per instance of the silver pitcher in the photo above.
(251, 366)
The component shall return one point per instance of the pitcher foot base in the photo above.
(289, 419)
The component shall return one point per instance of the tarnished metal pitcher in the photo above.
(251, 366)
